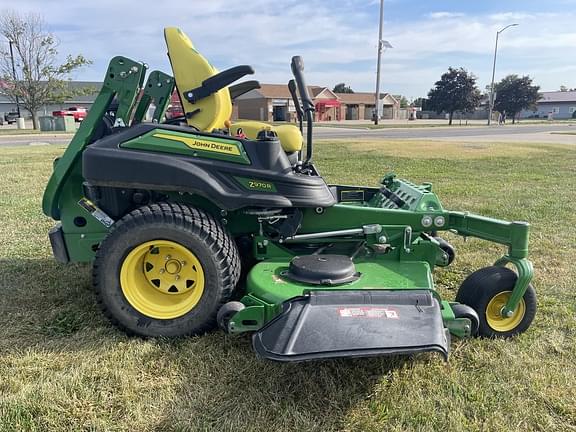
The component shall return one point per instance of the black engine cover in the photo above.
(107, 164)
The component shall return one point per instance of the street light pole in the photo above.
(382, 44)
(14, 76)
(491, 101)
(377, 95)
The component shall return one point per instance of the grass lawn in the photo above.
(63, 367)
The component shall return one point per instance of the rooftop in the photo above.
(558, 96)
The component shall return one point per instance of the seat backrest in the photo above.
(190, 69)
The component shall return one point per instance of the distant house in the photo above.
(273, 102)
(360, 106)
(557, 104)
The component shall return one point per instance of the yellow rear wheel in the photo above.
(164, 270)
(162, 279)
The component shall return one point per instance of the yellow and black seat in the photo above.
(205, 95)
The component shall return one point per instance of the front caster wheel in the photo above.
(226, 312)
(448, 249)
(465, 311)
(486, 291)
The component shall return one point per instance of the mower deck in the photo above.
(269, 282)
(328, 324)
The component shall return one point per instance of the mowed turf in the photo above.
(63, 367)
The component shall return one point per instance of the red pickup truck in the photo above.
(78, 113)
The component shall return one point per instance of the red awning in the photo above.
(328, 103)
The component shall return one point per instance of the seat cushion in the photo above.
(289, 135)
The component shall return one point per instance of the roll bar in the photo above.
(297, 106)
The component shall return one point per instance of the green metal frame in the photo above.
(82, 232)
(158, 89)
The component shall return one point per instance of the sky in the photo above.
(336, 38)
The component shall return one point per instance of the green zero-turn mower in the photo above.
(189, 223)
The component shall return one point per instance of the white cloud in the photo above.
(444, 15)
(336, 39)
(514, 16)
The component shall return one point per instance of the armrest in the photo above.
(217, 82)
(243, 87)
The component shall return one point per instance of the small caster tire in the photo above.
(226, 312)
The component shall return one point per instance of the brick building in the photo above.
(272, 102)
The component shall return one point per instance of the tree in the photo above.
(419, 102)
(404, 102)
(342, 88)
(456, 91)
(514, 93)
(40, 78)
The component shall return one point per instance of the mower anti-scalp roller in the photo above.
(197, 220)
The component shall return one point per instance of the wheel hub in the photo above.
(495, 313)
(173, 267)
(162, 279)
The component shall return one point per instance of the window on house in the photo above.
(556, 110)
(572, 109)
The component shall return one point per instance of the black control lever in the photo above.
(297, 106)
(307, 104)
(298, 71)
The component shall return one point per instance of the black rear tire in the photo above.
(486, 291)
(194, 231)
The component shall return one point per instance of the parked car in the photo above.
(78, 113)
(11, 117)
(174, 111)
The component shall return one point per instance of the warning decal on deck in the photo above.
(368, 312)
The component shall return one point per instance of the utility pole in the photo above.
(380, 43)
(14, 76)
(491, 101)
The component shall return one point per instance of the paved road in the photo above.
(509, 132)
(534, 133)
(41, 139)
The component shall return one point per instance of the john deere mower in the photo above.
(197, 221)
